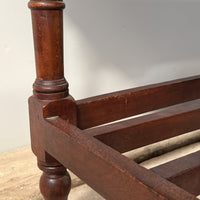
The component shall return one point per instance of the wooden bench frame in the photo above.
(65, 133)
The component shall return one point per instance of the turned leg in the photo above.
(50, 88)
(55, 182)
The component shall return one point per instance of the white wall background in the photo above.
(109, 45)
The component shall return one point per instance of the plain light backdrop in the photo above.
(109, 46)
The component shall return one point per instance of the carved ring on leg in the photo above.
(55, 182)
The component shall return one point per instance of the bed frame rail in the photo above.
(57, 122)
(184, 172)
(126, 103)
(113, 175)
(130, 134)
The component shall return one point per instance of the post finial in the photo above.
(46, 4)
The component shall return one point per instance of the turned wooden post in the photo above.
(50, 84)
(47, 19)
(55, 182)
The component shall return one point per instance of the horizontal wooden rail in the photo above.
(184, 172)
(134, 133)
(112, 175)
(114, 106)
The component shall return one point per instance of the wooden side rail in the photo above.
(184, 172)
(134, 133)
(126, 103)
(112, 175)
(56, 120)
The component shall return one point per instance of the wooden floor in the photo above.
(19, 175)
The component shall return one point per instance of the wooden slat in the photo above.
(134, 133)
(184, 172)
(114, 176)
(114, 106)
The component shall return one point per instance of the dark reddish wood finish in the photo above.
(184, 172)
(56, 120)
(114, 176)
(134, 133)
(126, 103)
(50, 87)
(48, 41)
(55, 182)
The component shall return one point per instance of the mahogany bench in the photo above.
(66, 133)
